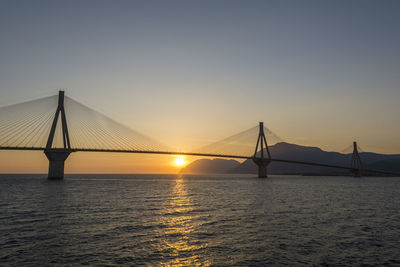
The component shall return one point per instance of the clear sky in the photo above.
(321, 73)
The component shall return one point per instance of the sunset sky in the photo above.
(188, 73)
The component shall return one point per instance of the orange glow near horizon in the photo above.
(80, 163)
(180, 161)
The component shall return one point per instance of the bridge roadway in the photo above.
(197, 155)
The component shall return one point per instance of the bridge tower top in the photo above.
(262, 143)
(65, 136)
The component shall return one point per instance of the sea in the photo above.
(199, 220)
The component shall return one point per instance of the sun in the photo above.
(179, 161)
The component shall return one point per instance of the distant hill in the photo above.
(288, 151)
(296, 152)
(390, 165)
(314, 154)
(210, 166)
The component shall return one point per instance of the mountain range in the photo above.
(282, 150)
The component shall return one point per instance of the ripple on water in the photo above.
(167, 221)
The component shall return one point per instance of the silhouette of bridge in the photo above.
(59, 126)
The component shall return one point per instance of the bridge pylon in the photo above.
(57, 156)
(356, 164)
(260, 159)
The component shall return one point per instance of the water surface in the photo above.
(199, 220)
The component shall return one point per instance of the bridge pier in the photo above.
(356, 163)
(56, 163)
(57, 156)
(259, 158)
(356, 173)
(262, 166)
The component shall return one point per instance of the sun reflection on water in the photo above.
(180, 223)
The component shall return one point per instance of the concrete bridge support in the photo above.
(356, 173)
(262, 166)
(56, 163)
(259, 158)
(57, 156)
(356, 163)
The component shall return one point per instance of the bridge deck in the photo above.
(197, 155)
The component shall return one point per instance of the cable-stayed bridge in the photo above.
(59, 126)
